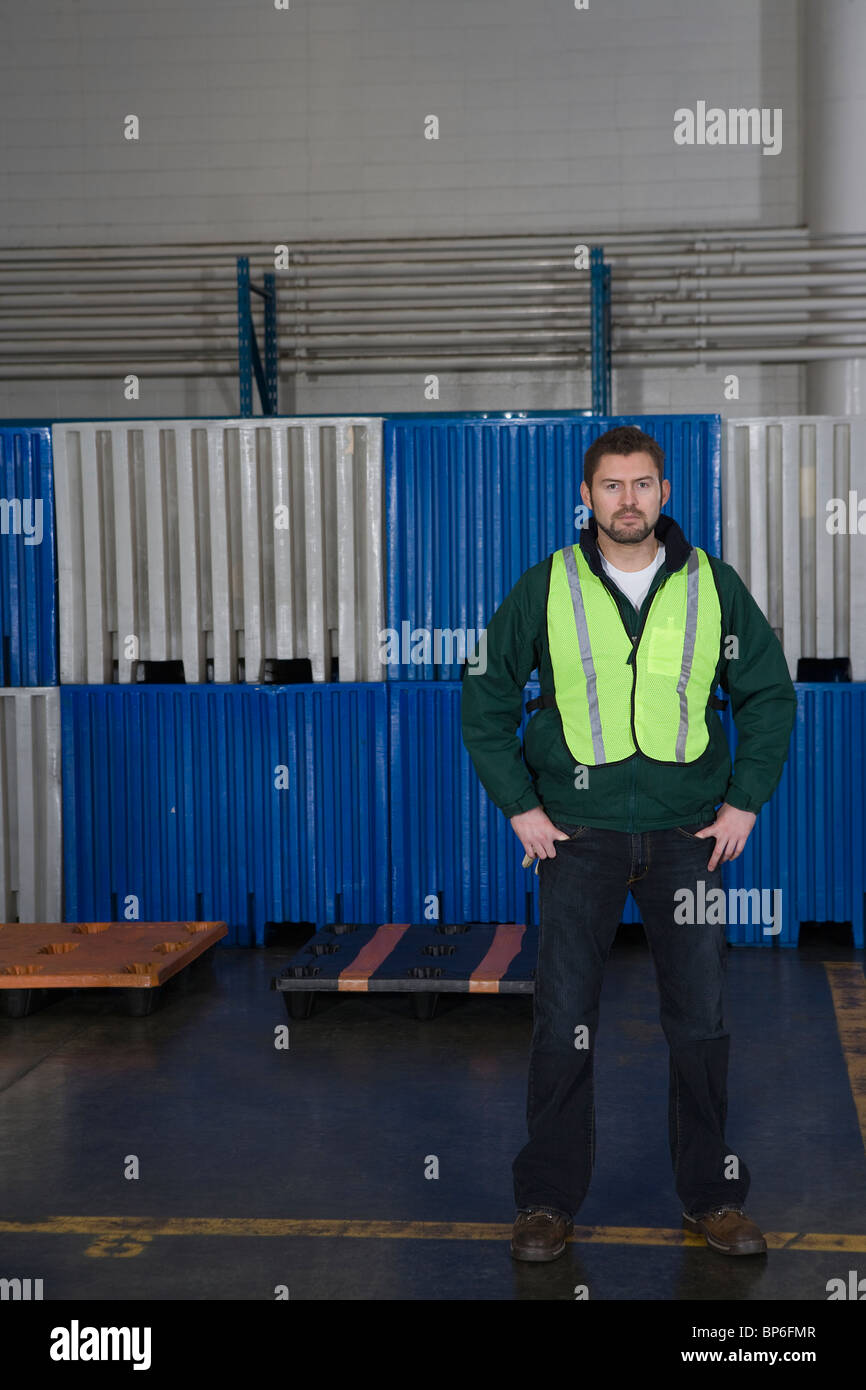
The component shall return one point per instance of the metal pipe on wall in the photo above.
(169, 368)
(63, 315)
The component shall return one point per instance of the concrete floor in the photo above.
(251, 1158)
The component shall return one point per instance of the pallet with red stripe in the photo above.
(474, 958)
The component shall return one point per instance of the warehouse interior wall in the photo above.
(262, 126)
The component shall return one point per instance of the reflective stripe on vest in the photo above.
(671, 676)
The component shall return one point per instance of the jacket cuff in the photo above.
(526, 803)
(736, 797)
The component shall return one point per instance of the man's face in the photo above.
(627, 496)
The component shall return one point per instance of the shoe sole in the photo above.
(541, 1256)
(749, 1247)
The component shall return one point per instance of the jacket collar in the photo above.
(666, 531)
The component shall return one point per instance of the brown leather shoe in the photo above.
(728, 1230)
(540, 1234)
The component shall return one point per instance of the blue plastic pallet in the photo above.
(474, 501)
(452, 844)
(245, 804)
(28, 565)
(449, 844)
(810, 839)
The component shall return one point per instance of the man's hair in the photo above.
(622, 439)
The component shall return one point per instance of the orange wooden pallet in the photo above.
(136, 956)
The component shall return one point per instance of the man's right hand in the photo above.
(537, 833)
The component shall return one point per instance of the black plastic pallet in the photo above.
(474, 958)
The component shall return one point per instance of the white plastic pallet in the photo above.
(31, 859)
(778, 474)
(167, 532)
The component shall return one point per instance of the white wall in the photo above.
(635, 391)
(262, 126)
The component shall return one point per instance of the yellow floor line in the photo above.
(848, 988)
(122, 1230)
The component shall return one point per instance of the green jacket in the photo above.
(637, 794)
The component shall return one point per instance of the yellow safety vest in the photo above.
(617, 694)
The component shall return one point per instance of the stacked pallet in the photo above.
(232, 653)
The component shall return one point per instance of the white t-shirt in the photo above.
(634, 583)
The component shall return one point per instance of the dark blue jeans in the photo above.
(582, 893)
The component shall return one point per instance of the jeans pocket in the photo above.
(689, 831)
(573, 832)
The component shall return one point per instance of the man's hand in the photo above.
(731, 829)
(537, 833)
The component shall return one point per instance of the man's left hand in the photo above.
(731, 830)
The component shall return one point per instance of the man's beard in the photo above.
(627, 534)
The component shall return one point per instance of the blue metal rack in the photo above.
(600, 330)
(249, 359)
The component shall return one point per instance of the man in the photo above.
(626, 783)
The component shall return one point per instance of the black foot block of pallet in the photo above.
(141, 1002)
(425, 1005)
(19, 1003)
(298, 1005)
